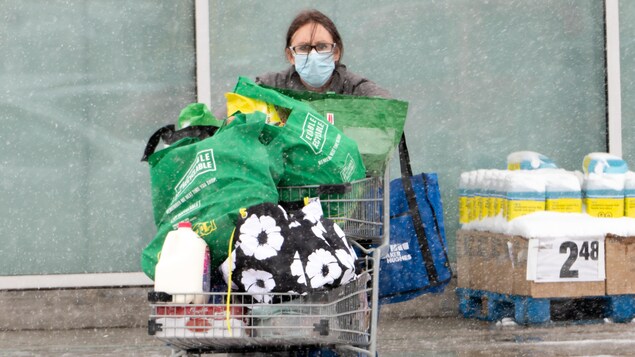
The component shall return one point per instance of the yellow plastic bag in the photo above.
(239, 103)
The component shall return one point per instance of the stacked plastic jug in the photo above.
(533, 182)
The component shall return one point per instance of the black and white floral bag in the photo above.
(277, 252)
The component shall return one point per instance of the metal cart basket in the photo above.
(343, 319)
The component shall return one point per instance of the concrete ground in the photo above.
(112, 322)
(449, 336)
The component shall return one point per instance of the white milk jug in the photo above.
(184, 266)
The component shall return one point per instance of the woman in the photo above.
(314, 50)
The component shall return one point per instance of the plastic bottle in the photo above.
(184, 266)
(563, 192)
(528, 160)
(502, 189)
(493, 188)
(525, 193)
(471, 203)
(629, 194)
(603, 187)
(498, 192)
(490, 192)
(604, 163)
(479, 195)
(486, 192)
(463, 198)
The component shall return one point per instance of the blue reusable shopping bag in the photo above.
(416, 262)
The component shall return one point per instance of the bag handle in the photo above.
(154, 140)
(406, 176)
(169, 135)
(426, 186)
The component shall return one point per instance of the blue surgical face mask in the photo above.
(315, 68)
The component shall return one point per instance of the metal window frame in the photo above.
(203, 72)
(613, 85)
(60, 281)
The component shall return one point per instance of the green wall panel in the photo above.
(84, 84)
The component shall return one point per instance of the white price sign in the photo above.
(565, 259)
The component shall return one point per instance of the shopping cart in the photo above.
(343, 319)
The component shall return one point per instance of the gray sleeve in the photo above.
(368, 88)
(272, 79)
(267, 79)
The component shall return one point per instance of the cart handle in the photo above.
(324, 189)
(334, 189)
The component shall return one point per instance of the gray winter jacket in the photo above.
(343, 82)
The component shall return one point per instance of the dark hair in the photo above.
(316, 17)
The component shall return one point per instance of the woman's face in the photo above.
(311, 34)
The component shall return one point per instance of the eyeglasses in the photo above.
(319, 48)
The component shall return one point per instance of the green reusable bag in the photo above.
(208, 181)
(375, 123)
(197, 114)
(313, 150)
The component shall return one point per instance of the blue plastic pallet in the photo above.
(525, 310)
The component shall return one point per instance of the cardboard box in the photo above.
(498, 263)
(482, 263)
(620, 265)
(463, 268)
